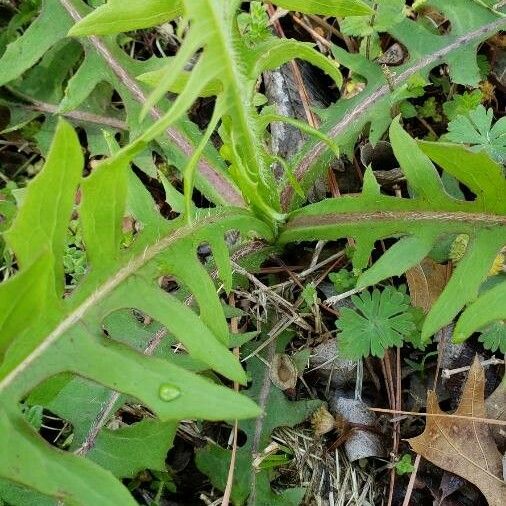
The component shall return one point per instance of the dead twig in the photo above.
(230, 477)
(446, 373)
(476, 419)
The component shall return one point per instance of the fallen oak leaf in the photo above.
(464, 447)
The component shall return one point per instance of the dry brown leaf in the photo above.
(464, 447)
(426, 281)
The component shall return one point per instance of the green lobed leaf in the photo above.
(420, 222)
(101, 218)
(345, 120)
(494, 337)
(69, 338)
(462, 103)
(475, 129)
(20, 496)
(131, 449)
(482, 175)
(379, 321)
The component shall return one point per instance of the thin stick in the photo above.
(476, 419)
(412, 479)
(322, 40)
(304, 274)
(441, 349)
(230, 478)
(446, 373)
(280, 300)
(107, 408)
(336, 298)
(387, 373)
(389, 392)
(301, 88)
(87, 117)
(397, 425)
(332, 29)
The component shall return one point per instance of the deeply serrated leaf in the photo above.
(420, 221)
(345, 120)
(380, 320)
(69, 339)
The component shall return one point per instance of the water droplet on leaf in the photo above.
(168, 392)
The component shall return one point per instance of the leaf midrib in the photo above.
(235, 76)
(381, 92)
(401, 216)
(132, 266)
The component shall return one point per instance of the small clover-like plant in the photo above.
(309, 295)
(380, 320)
(462, 104)
(404, 465)
(343, 280)
(494, 337)
(476, 130)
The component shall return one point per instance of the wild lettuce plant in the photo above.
(50, 336)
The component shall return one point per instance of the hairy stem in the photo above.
(406, 216)
(229, 193)
(312, 156)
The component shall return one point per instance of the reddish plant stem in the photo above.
(222, 186)
(310, 158)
